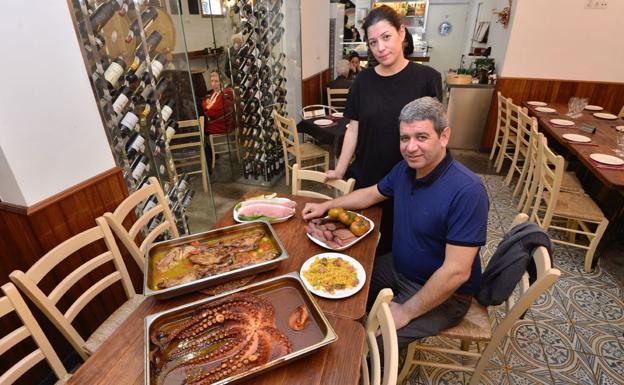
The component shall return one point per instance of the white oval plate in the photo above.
(562, 122)
(606, 159)
(619, 128)
(605, 115)
(545, 109)
(325, 245)
(536, 103)
(337, 114)
(323, 122)
(361, 274)
(576, 138)
(265, 219)
(591, 107)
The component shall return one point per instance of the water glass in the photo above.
(619, 150)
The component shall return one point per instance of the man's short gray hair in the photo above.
(426, 108)
(342, 68)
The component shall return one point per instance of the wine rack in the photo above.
(127, 46)
(258, 74)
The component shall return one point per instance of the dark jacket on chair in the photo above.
(510, 260)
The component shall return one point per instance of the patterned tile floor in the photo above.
(574, 334)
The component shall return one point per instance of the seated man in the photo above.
(342, 80)
(440, 222)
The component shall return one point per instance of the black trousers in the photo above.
(446, 315)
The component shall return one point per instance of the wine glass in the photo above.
(572, 106)
(619, 149)
(583, 102)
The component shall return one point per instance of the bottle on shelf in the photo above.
(152, 42)
(122, 98)
(158, 64)
(167, 109)
(101, 16)
(128, 124)
(139, 167)
(114, 71)
(170, 130)
(135, 145)
(147, 17)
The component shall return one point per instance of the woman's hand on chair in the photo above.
(334, 174)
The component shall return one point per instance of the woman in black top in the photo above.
(375, 99)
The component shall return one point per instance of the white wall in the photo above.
(199, 32)
(51, 132)
(314, 36)
(560, 39)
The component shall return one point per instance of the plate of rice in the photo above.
(333, 275)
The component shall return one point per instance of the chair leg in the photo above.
(407, 365)
(593, 244)
(494, 145)
(501, 154)
(512, 168)
(286, 167)
(522, 178)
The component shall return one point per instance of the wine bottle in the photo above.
(121, 101)
(158, 64)
(161, 87)
(104, 12)
(247, 10)
(128, 124)
(139, 167)
(167, 109)
(170, 131)
(152, 42)
(151, 202)
(135, 145)
(148, 16)
(114, 71)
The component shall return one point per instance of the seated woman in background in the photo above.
(355, 69)
(218, 109)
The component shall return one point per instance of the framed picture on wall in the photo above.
(211, 8)
(481, 33)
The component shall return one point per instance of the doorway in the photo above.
(445, 34)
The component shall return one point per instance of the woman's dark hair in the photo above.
(353, 54)
(379, 14)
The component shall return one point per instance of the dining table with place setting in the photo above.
(594, 136)
(329, 129)
(247, 300)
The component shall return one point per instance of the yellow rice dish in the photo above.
(330, 274)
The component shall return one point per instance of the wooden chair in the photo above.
(475, 327)
(306, 155)
(563, 211)
(519, 161)
(342, 186)
(621, 114)
(317, 111)
(381, 318)
(502, 119)
(158, 205)
(13, 302)
(187, 149)
(530, 181)
(337, 98)
(508, 143)
(48, 303)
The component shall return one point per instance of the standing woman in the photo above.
(375, 100)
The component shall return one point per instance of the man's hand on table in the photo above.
(314, 210)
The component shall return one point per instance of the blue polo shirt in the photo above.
(449, 205)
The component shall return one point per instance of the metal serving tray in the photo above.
(285, 293)
(213, 279)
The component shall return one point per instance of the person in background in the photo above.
(354, 60)
(356, 34)
(341, 81)
(347, 34)
(440, 222)
(218, 109)
(408, 44)
(375, 99)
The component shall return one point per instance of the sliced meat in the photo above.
(265, 209)
(328, 235)
(330, 226)
(285, 202)
(318, 234)
(168, 259)
(343, 234)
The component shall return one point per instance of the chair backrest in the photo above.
(380, 317)
(503, 111)
(532, 177)
(187, 149)
(29, 281)
(513, 119)
(344, 186)
(287, 129)
(13, 301)
(546, 277)
(549, 172)
(155, 204)
(337, 98)
(317, 111)
(525, 125)
(621, 114)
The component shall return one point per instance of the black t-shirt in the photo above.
(375, 101)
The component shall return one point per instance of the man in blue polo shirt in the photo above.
(440, 222)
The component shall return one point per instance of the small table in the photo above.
(331, 134)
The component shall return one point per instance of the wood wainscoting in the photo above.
(27, 233)
(313, 88)
(608, 95)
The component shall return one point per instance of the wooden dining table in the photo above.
(602, 141)
(120, 359)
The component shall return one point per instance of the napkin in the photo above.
(582, 143)
(606, 166)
